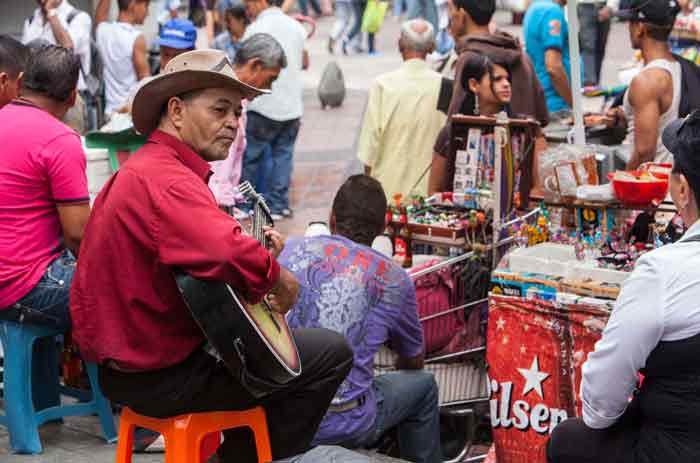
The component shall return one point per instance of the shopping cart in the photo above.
(454, 330)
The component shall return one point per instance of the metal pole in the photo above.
(575, 54)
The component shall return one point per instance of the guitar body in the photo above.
(254, 342)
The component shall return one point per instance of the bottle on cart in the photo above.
(389, 232)
(403, 254)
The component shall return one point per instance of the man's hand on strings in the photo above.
(284, 295)
(276, 241)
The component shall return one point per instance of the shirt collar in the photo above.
(414, 64)
(692, 231)
(184, 153)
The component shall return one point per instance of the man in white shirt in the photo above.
(123, 49)
(169, 12)
(274, 119)
(402, 120)
(60, 23)
(595, 18)
(653, 329)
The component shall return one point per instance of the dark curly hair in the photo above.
(359, 208)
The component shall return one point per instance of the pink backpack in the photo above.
(435, 293)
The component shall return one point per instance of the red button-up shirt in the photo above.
(154, 216)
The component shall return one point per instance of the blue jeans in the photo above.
(280, 137)
(358, 8)
(399, 7)
(304, 7)
(344, 17)
(47, 303)
(425, 9)
(407, 400)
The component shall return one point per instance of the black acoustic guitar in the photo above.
(254, 342)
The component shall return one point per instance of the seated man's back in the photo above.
(349, 288)
(44, 200)
(354, 290)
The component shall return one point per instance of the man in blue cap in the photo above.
(176, 37)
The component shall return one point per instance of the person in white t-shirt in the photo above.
(123, 49)
(60, 23)
(274, 119)
(169, 12)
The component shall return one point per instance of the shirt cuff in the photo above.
(595, 420)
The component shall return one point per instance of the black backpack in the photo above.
(690, 86)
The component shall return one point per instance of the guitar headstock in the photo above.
(259, 204)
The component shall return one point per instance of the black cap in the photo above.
(682, 138)
(657, 12)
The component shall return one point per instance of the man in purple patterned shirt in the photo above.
(348, 287)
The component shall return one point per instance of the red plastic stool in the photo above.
(185, 434)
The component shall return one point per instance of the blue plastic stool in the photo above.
(32, 394)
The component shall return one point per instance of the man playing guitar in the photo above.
(157, 217)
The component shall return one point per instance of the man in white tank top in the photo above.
(123, 49)
(653, 98)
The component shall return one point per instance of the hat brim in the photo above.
(150, 98)
(175, 43)
(670, 138)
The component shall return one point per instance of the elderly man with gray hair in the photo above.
(258, 62)
(402, 119)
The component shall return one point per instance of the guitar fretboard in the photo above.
(258, 223)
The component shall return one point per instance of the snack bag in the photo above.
(534, 376)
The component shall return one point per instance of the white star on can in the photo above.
(533, 378)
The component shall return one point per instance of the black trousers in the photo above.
(574, 442)
(594, 39)
(201, 384)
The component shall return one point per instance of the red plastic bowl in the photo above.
(639, 193)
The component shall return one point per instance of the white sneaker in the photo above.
(276, 217)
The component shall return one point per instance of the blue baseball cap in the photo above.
(178, 33)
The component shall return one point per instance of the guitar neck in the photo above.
(259, 224)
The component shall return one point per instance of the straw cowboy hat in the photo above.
(194, 70)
